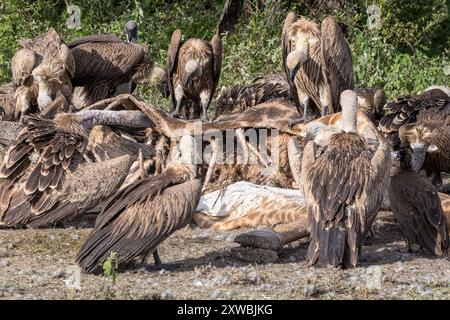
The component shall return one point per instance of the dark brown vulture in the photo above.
(371, 102)
(107, 66)
(193, 70)
(343, 188)
(405, 109)
(238, 98)
(45, 178)
(416, 206)
(41, 69)
(138, 218)
(318, 64)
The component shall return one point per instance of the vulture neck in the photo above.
(349, 118)
(127, 118)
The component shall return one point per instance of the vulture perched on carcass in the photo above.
(107, 66)
(193, 70)
(45, 177)
(343, 188)
(141, 216)
(416, 206)
(41, 69)
(317, 62)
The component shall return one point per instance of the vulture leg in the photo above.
(305, 101)
(156, 258)
(325, 101)
(205, 100)
(212, 163)
(179, 97)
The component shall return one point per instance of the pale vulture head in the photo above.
(131, 31)
(349, 104)
(192, 71)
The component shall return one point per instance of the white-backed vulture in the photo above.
(105, 63)
(416, 206)
(193, 70)
(137, 219)
(343, 189)
(131, 31)
(238, 98)
(45, 178)
(371, 102)
(405, 110)
(317, 62)
(41, 69)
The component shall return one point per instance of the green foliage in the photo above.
(110, 267)
(406, 54)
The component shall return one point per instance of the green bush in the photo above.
(406, 54)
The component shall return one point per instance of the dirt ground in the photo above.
(197, 264)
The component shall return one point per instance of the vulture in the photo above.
(238, 98)
(317, 62)
(106, 64)
(405, 110)
(45, 178)
(193, 70)
(416, 206)
(343, 188)
(138, 218)
(429, 139)
(41, 69)
(131, 31)
(371, 102)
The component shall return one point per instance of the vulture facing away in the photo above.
(416, 206)
(104, 64)
(41, 69)
(138, 218)
(317, 62)
(371, 102)
(343, 189)
(45, 177)
(193, 70)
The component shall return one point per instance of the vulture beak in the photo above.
(186, 79)
(294, 62)
(418, 155)
(190, 71)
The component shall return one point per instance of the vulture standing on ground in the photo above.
(237, 98)
(416, 206)
(343, 189)
(138, 218)
(405, 110)
(104, 64)
(41, 69)
(45, 178)
(317, 62)
(193, 70)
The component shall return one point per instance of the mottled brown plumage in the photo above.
(317, 62)
(371, 102)
(237, 98)
(137, 219)
(405, 110)
(193, 70)
(417, 208)
(104, 63)
(343, 188)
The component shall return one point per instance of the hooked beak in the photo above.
(293, 72)
(418, 156)
(186, 79)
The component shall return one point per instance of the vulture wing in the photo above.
(285, 50)
(337, 59)
(418, 211)
(138, 218)
(172, 61)
(96, 61)
(106, 38)
(216, 44)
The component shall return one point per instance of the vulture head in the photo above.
(303, 35)
(158, 78)
(48, 76)
(417, 138)
(192, 72)
(379, 100)
(185, 153)
(349, 104)
(131, 31)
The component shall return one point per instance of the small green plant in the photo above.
(110, 267)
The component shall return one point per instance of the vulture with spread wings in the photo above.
(317, 62)
(193, 70)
